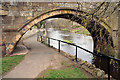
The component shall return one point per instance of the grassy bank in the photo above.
(70, 72)
(9, 62)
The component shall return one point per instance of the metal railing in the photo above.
(99, 55)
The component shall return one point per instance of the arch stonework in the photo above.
(98, 41)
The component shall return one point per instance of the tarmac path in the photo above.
(38, 59)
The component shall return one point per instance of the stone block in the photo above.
(18, 37)
(100, 73)
(3, 12)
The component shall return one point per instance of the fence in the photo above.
(99, 55)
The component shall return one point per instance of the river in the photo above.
(82, 40)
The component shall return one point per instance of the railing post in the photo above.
(48, 41)
(41, 39)
(58, 45)
(76, 54)
(108, 59)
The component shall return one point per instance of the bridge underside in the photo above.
(17, 19)
(103, 42)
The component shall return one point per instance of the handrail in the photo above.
(100, 55)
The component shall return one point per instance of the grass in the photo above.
(9, 62)
(65, 29)
(69, 72)
(65, 63)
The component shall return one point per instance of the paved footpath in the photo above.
(38, 59)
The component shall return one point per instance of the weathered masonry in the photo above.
(19, 17)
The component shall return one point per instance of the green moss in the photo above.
(68, 41)
(10, 62)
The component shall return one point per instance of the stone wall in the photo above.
(17, 14)
(20, 12)
(119, 34)
(113, 21)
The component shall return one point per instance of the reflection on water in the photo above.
(79, 39)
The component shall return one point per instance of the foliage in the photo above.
(41, 23)
(34, 26)
(9, 62)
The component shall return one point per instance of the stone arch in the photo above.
(101, 44)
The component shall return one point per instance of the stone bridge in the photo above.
(19, 17)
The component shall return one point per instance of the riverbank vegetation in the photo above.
(10, 62)
(76, 29)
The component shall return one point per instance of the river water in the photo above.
(78, 39)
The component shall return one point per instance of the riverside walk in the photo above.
(39, 58)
